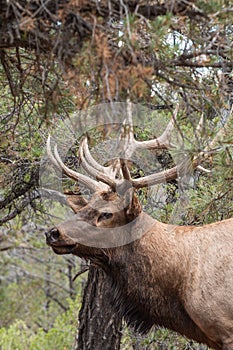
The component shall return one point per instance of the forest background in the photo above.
(59, 57)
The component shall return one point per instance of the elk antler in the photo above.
(107, 175)
(164, 142)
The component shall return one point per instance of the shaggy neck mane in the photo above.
(135, 316)
(127, 302)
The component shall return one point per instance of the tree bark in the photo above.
(99, 323)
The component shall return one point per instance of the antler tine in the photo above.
(91, 161)
(115, 169)
(163, 141)
(85, 180)
(107, 170)
(130, 122)
(125, 170)
(201, 168)
(162, 176)
(93, 171)
(56, 160)
(127, 140)
(50, 153)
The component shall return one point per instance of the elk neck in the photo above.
(150, 272)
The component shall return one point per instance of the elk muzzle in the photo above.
(60, 243)
(52, 236)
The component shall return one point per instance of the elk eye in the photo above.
(104, 216)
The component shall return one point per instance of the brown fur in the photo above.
(176, 277)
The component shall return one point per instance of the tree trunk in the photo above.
(99, 324)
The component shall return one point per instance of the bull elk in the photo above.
(178, 277)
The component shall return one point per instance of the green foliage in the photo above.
(20, 336)
(211, 199)
(159, 339)
(210, 6)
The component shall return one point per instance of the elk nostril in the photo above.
(52, 235)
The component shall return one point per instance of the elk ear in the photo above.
(76, 202)
(132, 205)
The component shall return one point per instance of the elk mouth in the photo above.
(62, 248)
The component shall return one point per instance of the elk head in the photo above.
(89, 230)
(114, 204)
